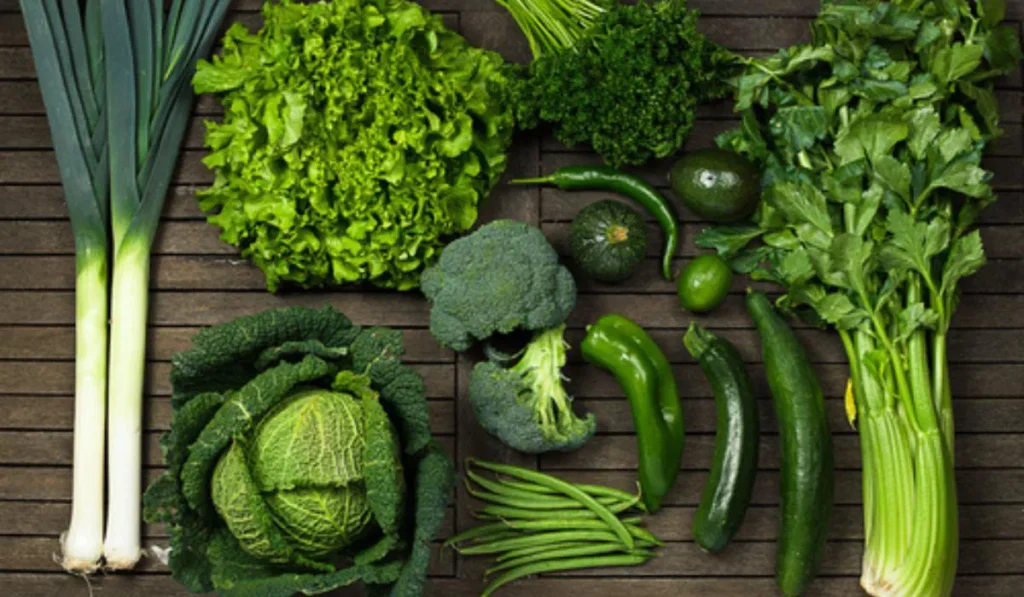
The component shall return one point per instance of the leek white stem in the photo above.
(129, 304)
(82, 544)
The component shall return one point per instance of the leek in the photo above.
(152, 57)
(68, 53)
(115, 194)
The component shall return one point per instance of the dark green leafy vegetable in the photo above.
(359, 136)
(297, 438)
(631, 81)
(871, 140)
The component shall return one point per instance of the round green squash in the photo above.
(608, 241)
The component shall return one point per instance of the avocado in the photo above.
(717, 185)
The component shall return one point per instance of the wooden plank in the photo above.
(670, 524)
(974, 486)
(221, 272)
(57, 343)
(46, 202)
(54, 448)
(618, 452)
(202, 260)
(36, 554)
(1000, 241)
(211, 308)
(409, 310)
(58, 378)
(42, 413)
(968, 381)
(604, 452)
(22, 98)
(972, 416)
(562, 206)
(1007, 171)
(967, 586)
(1000, 276)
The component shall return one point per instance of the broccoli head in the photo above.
(503, 277)
(526, 406)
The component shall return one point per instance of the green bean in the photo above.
(593, 490)
(562, 553)
(496, 512)
(530, 503)
(562, 565)
(525, 551)
(582, 525)
(478, 532)
(537, 539)
(568, 489)
(644, 535)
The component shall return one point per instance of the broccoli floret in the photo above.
(503, 277)
(526, 406)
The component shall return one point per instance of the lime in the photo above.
(704, 283)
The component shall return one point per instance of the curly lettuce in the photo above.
(359, 136)
(233, 528)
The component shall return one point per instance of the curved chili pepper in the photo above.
(604, 178)
(622, 347)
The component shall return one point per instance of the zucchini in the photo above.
(726, 496)
(807, 461)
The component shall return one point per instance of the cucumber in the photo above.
(726, 496)
(807, 461)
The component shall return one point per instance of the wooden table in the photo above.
(198, 281)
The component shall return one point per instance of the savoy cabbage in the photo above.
(300, 460)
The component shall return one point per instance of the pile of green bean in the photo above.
(538, 523)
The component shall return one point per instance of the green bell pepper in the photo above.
(622, 347)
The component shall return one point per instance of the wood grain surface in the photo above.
(198, 281)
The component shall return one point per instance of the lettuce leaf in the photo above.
(358, 137)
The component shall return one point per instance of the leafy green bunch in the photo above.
(359, 136)
(871, 140)
(631, 81)
(300, 460)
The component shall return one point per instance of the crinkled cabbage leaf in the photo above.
(229, 391)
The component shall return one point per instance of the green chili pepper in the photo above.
(604, 178)
(622, 347)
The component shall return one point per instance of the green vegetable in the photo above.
(807, 465)
(298, 437)
(624, 348)
(717, 185)
(526, 406)
(624, 78)
(148, 107)
(704, 284)
(608, 240)
(503, 277)
(359, 136)
(871, 140)
(145, 57)
(634, 187)
(533, 541)
(726, 496)
(63, 44)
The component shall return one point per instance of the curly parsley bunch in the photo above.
(627, 79)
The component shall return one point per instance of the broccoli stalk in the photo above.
(526, 406)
